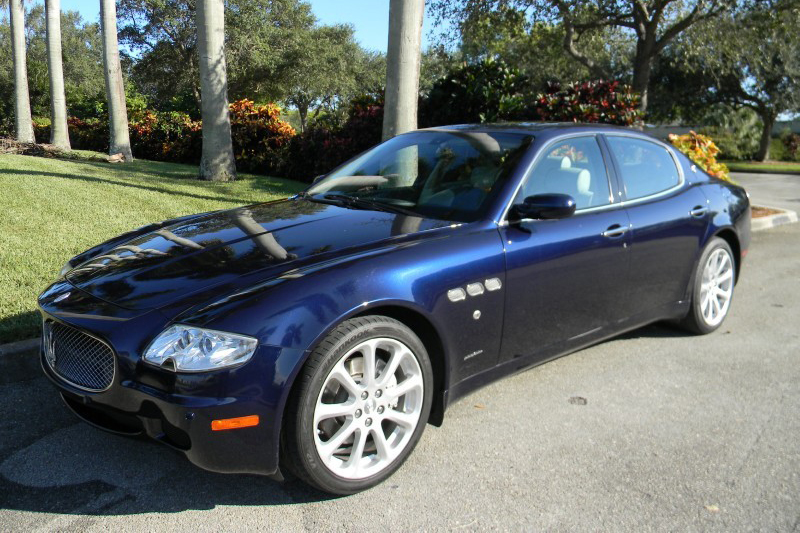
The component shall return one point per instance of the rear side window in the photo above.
(646, 167)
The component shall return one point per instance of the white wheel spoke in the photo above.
(357, 452)
(391, 367)
(404, 387)
(381, 446)
(725, 276)
(715, 303)
(327, 449)
(368, 351)
(406, 420)
(344, 378)
(332, 410)
(723, 294)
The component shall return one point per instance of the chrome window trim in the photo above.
(614, 205)
(65, 380)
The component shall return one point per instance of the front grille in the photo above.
(78, 357)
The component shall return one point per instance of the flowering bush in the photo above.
(591, 101)
(170, 136)
(702, 151)
(260, 138)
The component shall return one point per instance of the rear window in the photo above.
(646, 167)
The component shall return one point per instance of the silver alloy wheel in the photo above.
(716, 287)
(368, 408)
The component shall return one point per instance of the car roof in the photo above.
(550, 128)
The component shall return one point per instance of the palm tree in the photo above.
(59, 135)
(217, 161)
(115, 89)
(402, 66)
(24, 122)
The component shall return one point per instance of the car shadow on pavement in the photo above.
(52, 463)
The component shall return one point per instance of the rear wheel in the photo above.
(359, 407)
(713, 288)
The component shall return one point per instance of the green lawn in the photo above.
(52, 209)
(767, 166)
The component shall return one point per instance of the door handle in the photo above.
(615, 231)
(699, 211)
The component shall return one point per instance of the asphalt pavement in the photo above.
(654, 431)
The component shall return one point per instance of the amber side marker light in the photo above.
(234, 423)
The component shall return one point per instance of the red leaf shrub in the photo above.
(591, 101)
(260, 138)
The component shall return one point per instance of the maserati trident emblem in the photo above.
(61, 297)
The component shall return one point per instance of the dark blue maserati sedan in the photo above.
(320, 334)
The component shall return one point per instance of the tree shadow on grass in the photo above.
(152, 188)
(20, 326)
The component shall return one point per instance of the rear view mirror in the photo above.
(543, 206)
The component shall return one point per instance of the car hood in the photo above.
(226, 250)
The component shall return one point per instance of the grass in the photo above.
(779, 167)
(52, 209)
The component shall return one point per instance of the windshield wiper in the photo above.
(363, 203)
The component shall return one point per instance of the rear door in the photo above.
(668, 217)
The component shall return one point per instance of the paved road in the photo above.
(679, 433)
(774, 190)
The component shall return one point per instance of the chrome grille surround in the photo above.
(77, 357)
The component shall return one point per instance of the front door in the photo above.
(566, 279)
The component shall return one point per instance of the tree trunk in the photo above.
(642, 67)
(402, 66)
(768, 120)
(119, 141)
(59, 135)
(22, 101)
(302, 112)
(217, 162)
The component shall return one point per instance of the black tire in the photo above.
(298, 449)
(694, 321)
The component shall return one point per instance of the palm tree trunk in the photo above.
(119, 141)
(23, 120)
(59, 136)
(217, 161)
(402, 66)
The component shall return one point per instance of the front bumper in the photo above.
(176, 408)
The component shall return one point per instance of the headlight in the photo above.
(190, 349)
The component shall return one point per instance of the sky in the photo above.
(370, 18)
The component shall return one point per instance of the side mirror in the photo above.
(543, 206)
(317, 178)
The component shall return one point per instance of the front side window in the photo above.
(646, 167)
(449, 175)
(573, 166)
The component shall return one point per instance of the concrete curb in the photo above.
(784, 217)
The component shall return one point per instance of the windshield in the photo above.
(450, 175)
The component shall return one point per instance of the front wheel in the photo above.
(713, 288)
(360, 405)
